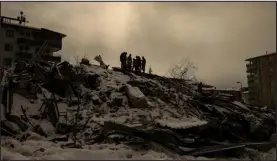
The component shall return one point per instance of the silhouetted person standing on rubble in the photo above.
(129, 62)
(134, 64)
(138, 64)
(143, 63)
(123, 59)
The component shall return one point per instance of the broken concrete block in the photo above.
(47, 127)
(15, 119)
(37, 129)
(62, 128)
(136, 97)
(92, 80)
(96, 100)
(116, 102)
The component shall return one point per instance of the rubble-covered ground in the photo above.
(88, 113)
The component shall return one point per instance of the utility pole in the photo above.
(240, 89)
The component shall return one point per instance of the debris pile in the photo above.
(86, 105)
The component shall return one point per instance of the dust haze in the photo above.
(216, 36)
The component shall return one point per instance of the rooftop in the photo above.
(260, 56)
(13, 22)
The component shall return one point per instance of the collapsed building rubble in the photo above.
(88, 105)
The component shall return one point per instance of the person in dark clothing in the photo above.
(143, 63)
(199, 87)
(138, 64)
(123, 59)
(129, 62)
(134, 64)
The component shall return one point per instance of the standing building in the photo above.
(21, 42)
(1, 37)
(261, 76)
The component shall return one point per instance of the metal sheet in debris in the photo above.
(241, 105)
(181, 124)
(215, 149)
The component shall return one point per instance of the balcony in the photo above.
(56, 44)
(250, 81)
(29, 56)
(51, 58)
(250, 68)
(24, 55)
(250, 76)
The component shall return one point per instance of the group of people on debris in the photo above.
(136, 64)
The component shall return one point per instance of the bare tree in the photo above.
(150, 70)
(183, 70)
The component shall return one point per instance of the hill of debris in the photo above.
(85, 106)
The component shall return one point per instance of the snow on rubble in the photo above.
(31, 150)
(82, 112)
(181, 124)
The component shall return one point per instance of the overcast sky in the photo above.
(216, 36)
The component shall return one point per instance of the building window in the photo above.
(21, 48)
(34, 35)
(8, 47)
(27, 48)
(28, 34)
(9, 33)
(21, 33)
(37, 49)
(7, 61)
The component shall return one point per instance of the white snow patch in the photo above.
(31, 108)
(7, 155)
(181, 124)
(90, 152)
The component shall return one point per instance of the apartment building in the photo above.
(21, 42)
(261, 76)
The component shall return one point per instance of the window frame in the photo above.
(10, 33)
(21, 48)
(5, 61)
(28, 34)
(8, 47)
(22, 33)
(27, 48)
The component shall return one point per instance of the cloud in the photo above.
(217, 36)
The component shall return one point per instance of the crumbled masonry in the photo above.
(61, 107)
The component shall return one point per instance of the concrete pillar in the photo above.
(1, 38)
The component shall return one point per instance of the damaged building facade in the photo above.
(261, 77)
(21, 42)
